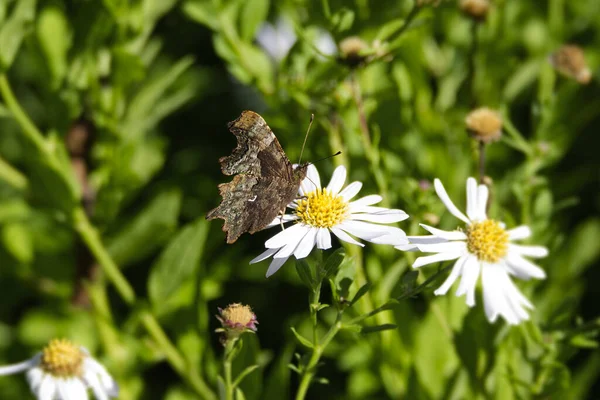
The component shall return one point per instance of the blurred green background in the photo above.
(133, 98)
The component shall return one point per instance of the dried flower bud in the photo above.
(350, 51)
(476, 9)
(484, 124)
(569, 60)
(236, 319)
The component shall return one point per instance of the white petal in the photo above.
(446, 247)
(472, 206)
(282, 219)
(501, 297)
(441, 192)
(306, 244)
(264, 255)
(416, 240)
(311, 182)
(469, 278)
(20, 367)
(454, 274)
(491, 298)
(381, 218)
(528, 251)
(47, 388)
(523, 268)
(520, 232)
(78, 390)
(108, 383)
(367, 231)
(275, 265)
(323, 239)
(448, 235)
(337, 180)
(482, 199)
(421, 261)
(34, 377)
(394, 237)
(345, 237)
(291, 246)
(92, 380)
(365, 201)
(350, 191)
(292, 234)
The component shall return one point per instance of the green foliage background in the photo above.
(155, 82)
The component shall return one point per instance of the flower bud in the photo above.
(236, 319)
(476, 9)
(351, 49)
(484, 125)
(569, 60)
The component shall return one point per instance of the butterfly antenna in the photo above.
(312, 118)
(325, 158)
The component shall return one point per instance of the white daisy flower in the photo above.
(321, 211)
(485, 247)
(64, 371)
(276, 39)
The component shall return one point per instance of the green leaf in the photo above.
(177, 263)
(333, 262)
(302, 339)
(13, 31)
(378, 328)
(364, 289)
(18, 241)
(147, 230)
(203, 12)
(343, 20)
(54, 35)
(254, 13)
(304, 272)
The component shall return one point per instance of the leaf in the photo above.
(304, 273)
(13, 31)
(364, 289)
(378, 328)
(333, 262)
(254, 13)
(147, 230)
(203, 12)
(177, 263)
(343, 20)
(302, 339)
(18, 241)
(54, 35)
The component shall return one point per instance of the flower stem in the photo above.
(227, 364)
(309, 371)
(481, 161)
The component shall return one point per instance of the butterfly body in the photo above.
(265, 180)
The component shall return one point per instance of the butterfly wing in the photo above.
(264, 181)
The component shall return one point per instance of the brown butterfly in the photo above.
(265, 181)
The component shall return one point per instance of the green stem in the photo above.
(29, 129)
(310, 370)
(12, 176)
(90, 236)
(227, 367)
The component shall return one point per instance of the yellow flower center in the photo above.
(322, 209)
(487, 240)
(62, 359)
(237, 313)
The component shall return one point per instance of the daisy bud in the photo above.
(484, 125)
(569, 60)
(476, 9)
(236, 319)
(350, 51)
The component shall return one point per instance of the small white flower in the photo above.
(278, 39)
(325, 44)
(484, 247)
(64, 371)
(318, 212)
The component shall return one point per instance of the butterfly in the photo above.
(265, 180)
